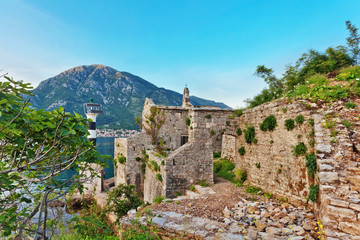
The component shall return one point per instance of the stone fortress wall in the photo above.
(270, 163)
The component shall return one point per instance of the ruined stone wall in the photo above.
(131, 148)
(270, 163)
(228, 147)
(153, 187)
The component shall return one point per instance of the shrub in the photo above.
(289, 124)
(238, 131)
(238, 112)
(192, 188)
(203, 183)
(268, 124)
(249, 134)
(138, 159)
(299, 149)
(314, 192)
(163, 162)
(242, 151)
(241, 174)
(350, 105)
(217, 154)
(121, 159)
(257, 165)
(311, 164)
(299, 119)
(187, 121)
(347, 124)
(159, 177)
(349, 74)
(122, 199)
(208, 116)
(212, 132)
(158, 199)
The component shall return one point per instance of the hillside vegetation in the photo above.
(316, 76)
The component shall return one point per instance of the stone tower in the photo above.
(186, 98)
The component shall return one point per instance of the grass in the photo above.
(203, 183)
(253, 190)
(347, 124)
(158, 199)
(225, 169)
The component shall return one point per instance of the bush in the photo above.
(289, 124)
(121, 159)
(187, 121)
(238, 131)
(268, 124)
(348, 74)
(311, 164)
(249, 134)
(299, 119)
(350, 105)
(159, 177)
(238, 112)
(299, 149)
(242, 151)
(314, 192)
(158, 199)
(122, 199)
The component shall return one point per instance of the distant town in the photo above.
(107, 132)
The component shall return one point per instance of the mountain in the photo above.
(121, 94)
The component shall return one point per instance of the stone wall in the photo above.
(153, 187)
(339, 179)
(228, 147)
(270, 163)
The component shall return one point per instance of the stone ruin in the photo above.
(269, 162)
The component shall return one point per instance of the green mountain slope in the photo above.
(121, 94)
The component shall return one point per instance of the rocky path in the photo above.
(223, 211)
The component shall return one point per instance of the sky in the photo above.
(212, 46)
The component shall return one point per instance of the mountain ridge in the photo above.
(121, 94)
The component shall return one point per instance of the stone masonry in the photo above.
(269, 161)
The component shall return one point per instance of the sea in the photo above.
(105, 146)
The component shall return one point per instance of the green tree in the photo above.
(353, 41)
(36, 147)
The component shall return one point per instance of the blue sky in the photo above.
(213, 46)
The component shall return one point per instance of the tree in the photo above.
(353, 41)
(36, 147)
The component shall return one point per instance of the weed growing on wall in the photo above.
(217, 154)
(299, 119)
(238, 112)
(159, 177)
(284, 110)
(299, 149)
(314, 192)
(249, 134)
(311, 122)
(227, 123)
(268, 124)
(212, 132)
(143, 168)
(242, 151)
(192, 188)
(138, 159)
(254, 190)
(208, 116)
(203, 183)
(241, 174)
(154, 166)
(257, 165)
(238, 131)
(187, 121)
(121, 159)
(289, 124)
(311, 164)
